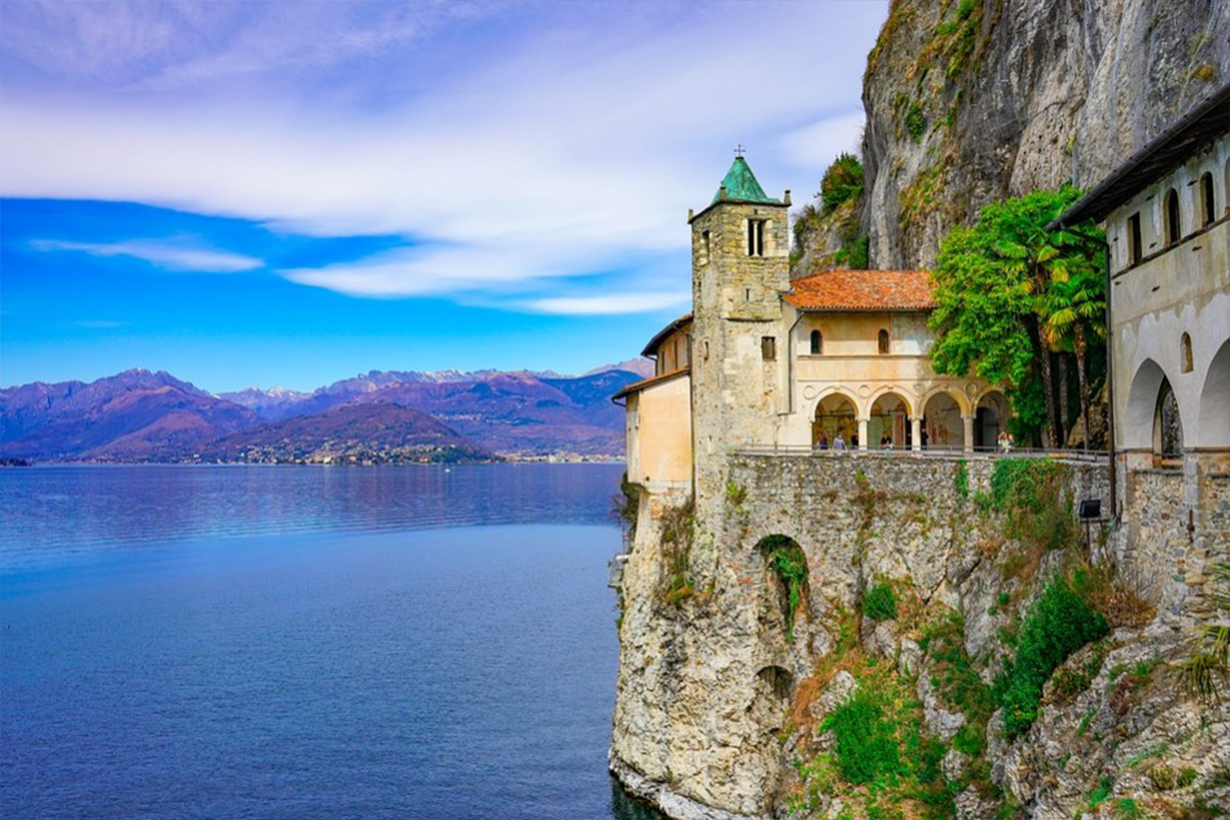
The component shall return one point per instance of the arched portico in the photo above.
(1142, 402)
(835, 414)
(946, 414)
(1213, 425)
(990, 418)
(888, 417)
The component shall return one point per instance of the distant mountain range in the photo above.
(139, 416)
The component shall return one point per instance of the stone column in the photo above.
(967, 427)
(916, 433)
(862, 433)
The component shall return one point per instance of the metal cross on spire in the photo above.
(740, 150)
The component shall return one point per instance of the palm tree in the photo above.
(1075, 310)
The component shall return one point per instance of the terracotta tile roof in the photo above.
(652, 380)
(863, 290)
(651, 349)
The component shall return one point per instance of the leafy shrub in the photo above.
(960, 479)
(880, 602)
(842, 182)
(1058, 623)
(854, 253)
(1127, 808)
(625, 507)
(916, 121)
(865, 742)
(1030, 493)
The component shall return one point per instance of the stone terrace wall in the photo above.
(899, 517)
(704, 680)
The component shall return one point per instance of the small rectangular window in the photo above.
(768, 348)
(1206, 199)
(704, 250)
(1134, 241)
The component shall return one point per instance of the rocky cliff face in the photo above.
(956, 650)
(969, 101)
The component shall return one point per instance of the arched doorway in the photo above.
(890, 419)
(835, 415)
(1214, 425)
(990, 419)
(787, 574)
(942, 423)
(1167, 428)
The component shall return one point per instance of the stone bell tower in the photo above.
(740, 269)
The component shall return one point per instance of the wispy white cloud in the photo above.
(172, 256)
(575, 147)
(607, 304)
(816, 144)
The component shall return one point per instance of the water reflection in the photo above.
(53, 515)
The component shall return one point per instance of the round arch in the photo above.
(1137, 426)
(835, 413)
(786, 564)
(958, 397)
(990, 417)
(943, 426)
(1213, 422)
(888, 418)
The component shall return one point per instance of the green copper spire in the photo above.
(741, 186)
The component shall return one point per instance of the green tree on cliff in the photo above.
(1009, 296)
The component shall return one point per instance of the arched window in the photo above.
(1174, 228)
(1208, 211)
(884, 340)
(817, 343)
(1185, 353)
(1167, 425)
(1135, 244)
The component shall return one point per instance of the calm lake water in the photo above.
(298, 642)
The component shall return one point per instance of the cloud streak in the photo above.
(572, 150)
(166, 255)
(608, 304)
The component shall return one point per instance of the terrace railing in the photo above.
(932, 451)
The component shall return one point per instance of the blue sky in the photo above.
(291, 193)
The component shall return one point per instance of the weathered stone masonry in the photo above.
(701, 694)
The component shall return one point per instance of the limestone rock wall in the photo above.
(708, 673)
(969, 101)
(720, 709)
